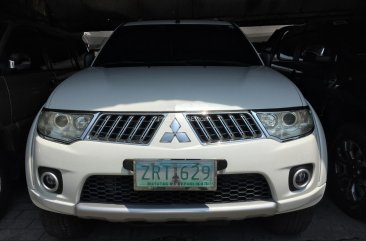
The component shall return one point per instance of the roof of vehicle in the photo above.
(166, 22)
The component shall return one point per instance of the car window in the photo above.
(59, 53)
(316, 53)
(178, 45)
(78, 49)
(354, 44)
(287, 47)
(354, 39)
(3, 27)
(23, 52)
(316, 50)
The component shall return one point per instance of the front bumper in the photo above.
(267, 157)
(157, 213)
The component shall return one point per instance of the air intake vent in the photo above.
(230, 188)
(224, 127)
(120, 128)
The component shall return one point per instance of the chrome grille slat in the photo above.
(203, 129)
(133, 133)
(224, 127)
(125, 128)
(103, 124)
(243, 117)
(148, 128)
(237, 126)
(113, 127)
(214, 127)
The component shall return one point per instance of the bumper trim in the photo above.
(165, 213)
(158, 213)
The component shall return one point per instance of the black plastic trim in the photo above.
(128, 164)
(282, 109)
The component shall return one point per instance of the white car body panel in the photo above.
(191, 89)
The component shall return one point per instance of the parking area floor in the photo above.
(21, 222)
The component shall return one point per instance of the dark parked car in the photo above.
(328, 63)
(34, 59)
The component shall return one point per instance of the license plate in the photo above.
(179, 175)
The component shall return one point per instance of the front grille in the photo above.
(230, 188)
(223, 127)
(125, 128)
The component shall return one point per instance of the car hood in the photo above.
(170, 89)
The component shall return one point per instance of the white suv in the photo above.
(176, 121)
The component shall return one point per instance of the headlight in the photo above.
(61, 126)
(286, 125)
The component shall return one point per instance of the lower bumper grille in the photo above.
(230, 188)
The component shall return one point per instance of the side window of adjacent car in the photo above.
(23, 53)
(287, 48)
(285, 54)
(3, 27)
(316, 53)
(59, 53)
(79, 50)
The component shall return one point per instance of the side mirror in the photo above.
(88, 58)
(20, 61)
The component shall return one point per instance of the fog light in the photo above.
(49, 181)
(300, 177)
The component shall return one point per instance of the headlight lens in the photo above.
(60, 126)
(286, 125)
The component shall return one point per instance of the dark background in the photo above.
(76, 15)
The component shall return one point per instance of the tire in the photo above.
(290, 223)
(4, 191)
(63, 227)
(347, 170)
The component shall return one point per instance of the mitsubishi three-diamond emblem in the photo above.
(169, 136)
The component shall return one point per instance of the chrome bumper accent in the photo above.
(160, 213)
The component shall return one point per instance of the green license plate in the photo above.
(179, 175)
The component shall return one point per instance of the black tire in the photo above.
(4, 191)
(347, 170)
(62, 227)
(290, 223)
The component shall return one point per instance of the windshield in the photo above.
(177, 44)
(2, 29)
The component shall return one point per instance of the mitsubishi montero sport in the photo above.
(176, 121)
